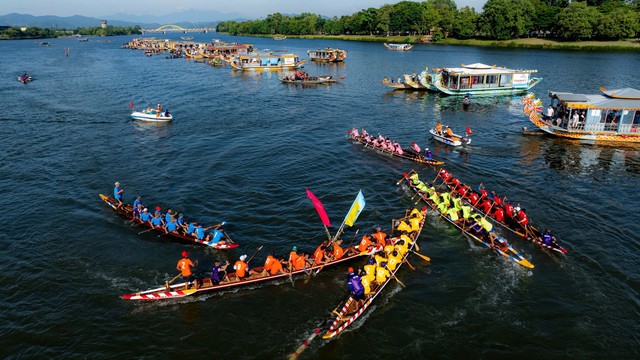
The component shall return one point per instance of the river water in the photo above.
(243, 148)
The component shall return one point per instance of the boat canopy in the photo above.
(624, 93)
(601, 102)
(478, 66)
(489, 70)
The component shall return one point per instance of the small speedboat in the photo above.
(456, 140)
(152, 115)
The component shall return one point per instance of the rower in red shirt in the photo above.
(496, 199)
(485, 205)
(473, 198)
(508, 208)
(455, 183)
(498, 214)
(462, 191)
(523, 219)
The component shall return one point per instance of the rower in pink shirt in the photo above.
(355, 133)
(415, 147)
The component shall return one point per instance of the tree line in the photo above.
(16, 33)
(499, 20)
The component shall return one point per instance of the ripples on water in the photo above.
(243, 149)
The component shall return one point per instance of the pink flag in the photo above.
(469, 132)
(319, 208)
(131, 104)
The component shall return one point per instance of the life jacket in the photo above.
(453, 214)
(355, 284)
(446, 197)
(364, 243)
(241, 268)
(421, 186)
(414, 178)
(486, 225)
(466, 212)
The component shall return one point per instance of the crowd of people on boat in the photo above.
(297, 75)
(326, 253)
(461, 202)
(170, 222)
(389, 80)
(383, 143)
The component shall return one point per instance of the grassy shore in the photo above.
(529, 43)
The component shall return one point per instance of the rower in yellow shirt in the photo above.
(370, 268)
(401, 247)
(394, 259)
(382, 274)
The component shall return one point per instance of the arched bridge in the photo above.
(174, 28)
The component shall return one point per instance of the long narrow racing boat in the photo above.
(408, 154)
(510, 223)
(352, 308)
(219, 240)
(501, 246)
(231, 281)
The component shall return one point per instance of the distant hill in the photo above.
(186, 19)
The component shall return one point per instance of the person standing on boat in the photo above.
(355, 286)
(184, 266)
(439, 128)
(137, 201)
(365, 243)
(218, 272)
(550, 113)
(117, 194)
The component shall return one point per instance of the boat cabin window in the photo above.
(505, 80)
(492, 79)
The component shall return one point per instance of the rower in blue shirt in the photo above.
(191, 228)
(172, 226)
(137, 202)
(199, 232)
(156, 220)
(168, 216)
(145, 216)
(547, 238)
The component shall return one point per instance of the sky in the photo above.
(249, 8)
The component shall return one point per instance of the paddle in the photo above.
(408, 263)
(166, 284)
(398, 280)
(424, 257)
(404, 176)
(254, 253)
(354, 237)
(144, 231)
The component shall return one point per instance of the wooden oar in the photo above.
(408, 263)
(398, 280)
(166, 284)
(254, 253)
(424, 257)
(404, 176)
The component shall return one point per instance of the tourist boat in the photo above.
(24, 78)
(531, 233)
(327, 55)
(502, 247)
(408, 154)
(351, 310)
(311, 80)
(152, 115)
(399, 47)
(266, 62)
(231, 280)
(229, 49)
(481, 80)
(279, 37)
(186, 38)
(613, 116)
(456, 140)
(414, 82)
(218, 234)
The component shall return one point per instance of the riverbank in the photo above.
(528, 43)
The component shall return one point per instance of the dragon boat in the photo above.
(218, 234)
(328, 55)
(352, 309)
(259, 274)
(310, 80)
(500, 246)
(466, 193)
(231, 281)
(408, 154)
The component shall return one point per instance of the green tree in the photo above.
(577, 21)
(465, 24)
(405, 17)
(383, 19)
(506, 19)
(618, 24)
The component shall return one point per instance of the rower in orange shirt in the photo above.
(300, 262)
(380, 236)
(242, 268)
(448, 132)
(319, 254)
(365, 243)
(338, 251)
(184, 266)
(439, 128)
